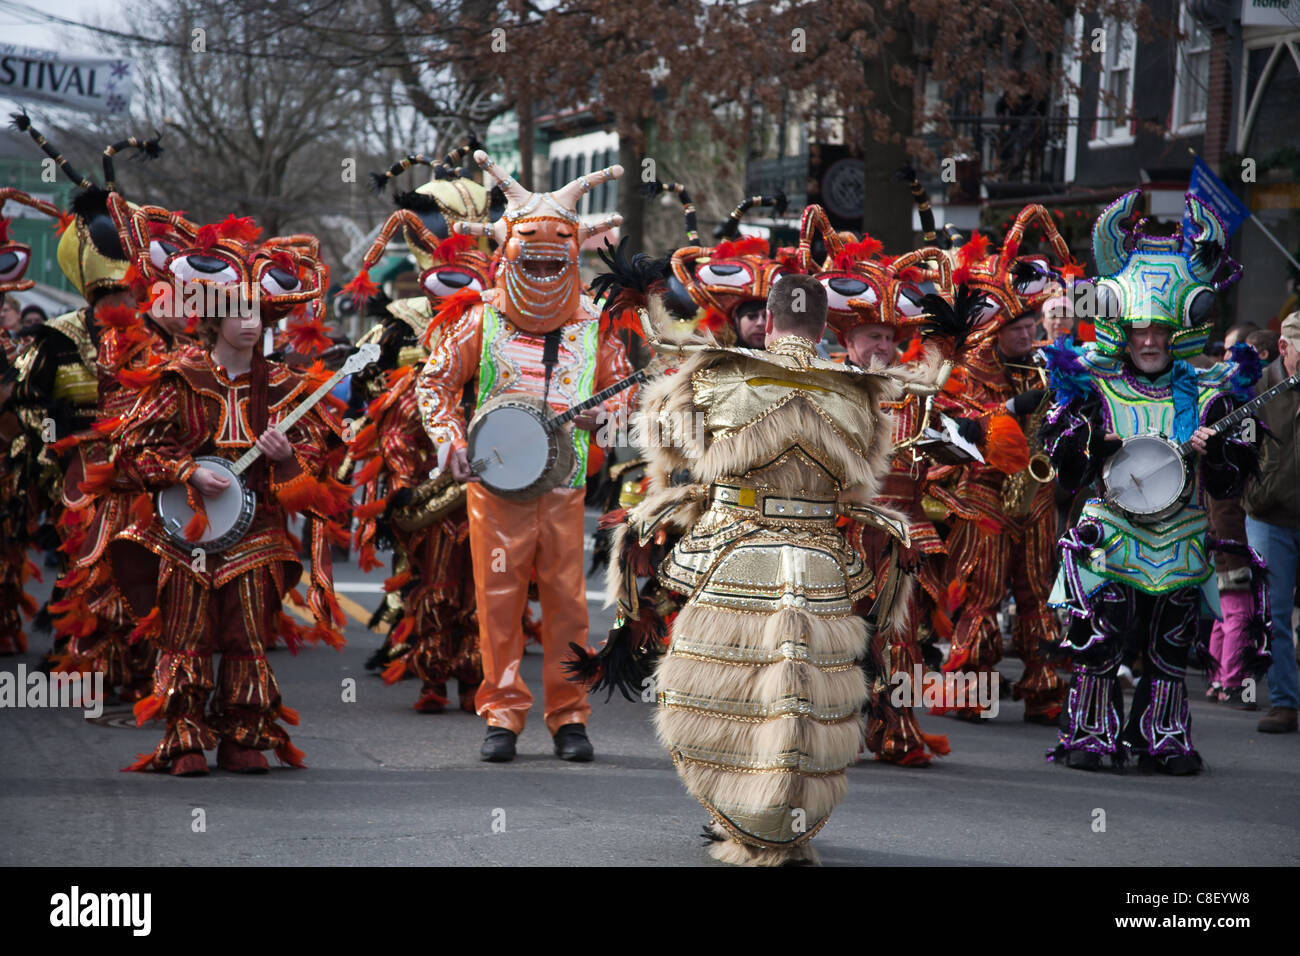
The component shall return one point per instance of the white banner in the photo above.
(91, 84)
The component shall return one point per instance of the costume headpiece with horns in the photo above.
(540, 235)
(89, 252)
(1167, 280)
(14, 256)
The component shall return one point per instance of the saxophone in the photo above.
(1020, 489)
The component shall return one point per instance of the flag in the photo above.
(1212, 191)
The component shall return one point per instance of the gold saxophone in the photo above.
(431, 501)
(1020, 489)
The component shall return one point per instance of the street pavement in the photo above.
(388, 786)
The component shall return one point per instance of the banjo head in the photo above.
(511, 446)
(229, 513)
(1146, 478)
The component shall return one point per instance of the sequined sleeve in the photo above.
(156, 444)
(453, 362)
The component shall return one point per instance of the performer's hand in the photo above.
(458, 462)
(208, 482)
(274, 445)
(1200, 437)
(589, 420)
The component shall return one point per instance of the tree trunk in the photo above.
(631, 204)
(887, 204)
(525, 113)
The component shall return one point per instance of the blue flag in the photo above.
(1212, 191)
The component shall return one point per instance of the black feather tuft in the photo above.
(87, 203)
(955, 321)
(417, 202)
(905, 174)
(1208, 253)
(781, 203)
(379, 183)
(652, 188)
(636, 274)
(20, 121)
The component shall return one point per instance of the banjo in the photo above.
(520, 448)
(1149, 478)
(231, 511)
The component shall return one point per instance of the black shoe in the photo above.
(498, 745)
(1082, 760)
(1180, 765)
(571, 743)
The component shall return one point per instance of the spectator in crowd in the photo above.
(1237, 333)
(1272, 503)
(32, 316)
(1264, 342)
(11, 316)
(1057, 319)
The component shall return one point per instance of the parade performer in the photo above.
(761, 692)
(224, 401)
(1134, 570)
(872, 302)
(429, 607)
(58, 400)
(729, 281)
(532, 335)
(1004, 528)
(18, 513)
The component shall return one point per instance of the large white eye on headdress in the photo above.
(1031, 276)
(988, 310)
(1197, 306)
(160, 251)
(197, 266)
(277, 281)
(732, 274)
(908, 303)
(442, 281)
(841, 288)
(13, 263)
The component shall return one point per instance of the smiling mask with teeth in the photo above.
(540, 234)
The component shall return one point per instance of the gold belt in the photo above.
(746, 497)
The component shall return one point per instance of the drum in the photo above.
(229, 513)
(516, 451)
(1147, 479)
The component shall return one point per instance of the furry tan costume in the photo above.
(761, 692)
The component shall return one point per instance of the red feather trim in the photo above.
(144, 763)
(953, 596)
(915, 350)
(117, 316)
(368, 562)
(361, 288)
(1010, 249)
(975, 249)
(450, 310)
(196, 527)
(713, 320)
(106, 425)
(65, 220)
(142, 509)
(290, 755)
(138, 379)
(320, 634)
(146, 709)
(98, 478)
(304, 493)
(64, 445)
(308, 337)
(1005, 445)
(288, 715)
(451, 247)
(365, 440)
(745, 246)
(371, 510)
(369, 472)
(149, 628)
(241, 228)
(206, 237)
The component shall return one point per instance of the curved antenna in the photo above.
(922, 201)
(516, 194)
(952, 238)
(1032, 212)
(379, 181)
(450, 167)
(23, 123)
(149, 149)
(814, 217)
(398, 217)
(1109, 234)
(730, 227)
(17, 195)
(572, 192)
(655, 187)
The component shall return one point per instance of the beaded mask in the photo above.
(15, 256)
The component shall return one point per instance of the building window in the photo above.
(1115, 85)
(556, 181)
(1191, 73)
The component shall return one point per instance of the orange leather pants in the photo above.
(507, 541)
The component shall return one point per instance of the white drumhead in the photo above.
(514, 446)
(1147, 475)
(223, 510)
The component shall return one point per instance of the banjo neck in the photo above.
(283, 425)
(559, 421)
(1244, 411)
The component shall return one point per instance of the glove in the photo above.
(1026, 402)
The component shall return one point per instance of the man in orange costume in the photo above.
(533, 333)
